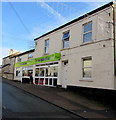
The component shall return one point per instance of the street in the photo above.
(17, 103)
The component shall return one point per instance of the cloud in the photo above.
(52, 11)
(95, 5)
(41, 29)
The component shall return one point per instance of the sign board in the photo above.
(47, 58)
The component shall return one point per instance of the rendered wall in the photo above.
(101, 49)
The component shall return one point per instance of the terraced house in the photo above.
(78, 53)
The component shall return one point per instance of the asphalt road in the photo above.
(19, 104)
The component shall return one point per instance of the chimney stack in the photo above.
(11, 51)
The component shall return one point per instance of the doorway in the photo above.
(64, 73)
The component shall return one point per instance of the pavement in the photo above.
(68, 100)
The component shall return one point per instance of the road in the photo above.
(17, 103)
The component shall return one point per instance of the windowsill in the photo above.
(87, 43)
(64, 49)
(86, 79)
(30, 58)
(46, 54)
(19, 61)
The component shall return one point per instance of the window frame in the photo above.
(46, 47)
(19, 59)
(87, 32)
(65, 39)
(31, 55)
(84, 67)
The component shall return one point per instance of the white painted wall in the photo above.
(101, 49)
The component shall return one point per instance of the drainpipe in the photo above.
(114, 34)
(14, 67)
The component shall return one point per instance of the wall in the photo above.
(115, 42)
(8, 70)
(101, 49)
(24, 58)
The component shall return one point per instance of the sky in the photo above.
(22, 22)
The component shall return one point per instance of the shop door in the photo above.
(64, 74)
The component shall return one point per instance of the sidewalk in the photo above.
(68, 100)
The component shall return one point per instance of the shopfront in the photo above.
(43, 69)
(46, 74)
(26, 72)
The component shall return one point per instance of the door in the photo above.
(64, 73)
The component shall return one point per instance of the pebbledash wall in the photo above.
(79, 53)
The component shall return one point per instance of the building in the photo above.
(7, 69)
(79, 53)
(22, 73)
(0, 70)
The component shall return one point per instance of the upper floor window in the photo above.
(87, 32)
(87, 67)
(46, 46)
(66, 40)
(30, 55)
(19, 59)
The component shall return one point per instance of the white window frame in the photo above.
(49, 77)
(85, 33)
(86, 58)
(19, 59)
(19, 72)
(46, 47)
(30, 54)
(66, 39)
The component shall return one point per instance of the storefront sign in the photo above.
(47, 58)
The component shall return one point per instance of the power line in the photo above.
(21, 21)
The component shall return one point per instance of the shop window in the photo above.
(87, 67)
(36, 81)
(46, 46)
(54, 82)
(17, 73)
(52, 71)
(30, 72)
(27, 71)
(66, 40)
(41, 71)
(46, 81)
(24, 72)
(41, 81)
(50, 81)
(37, 72)
(87, 32)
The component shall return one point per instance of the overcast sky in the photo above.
(22, 22)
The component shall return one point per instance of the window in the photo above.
(46, 46)
(87, 67)
(66, 40)
(26, 71)
(87, 32)
(41, 70)
(19, 59)
(65, 62)
(30, 55)
(17, 73)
